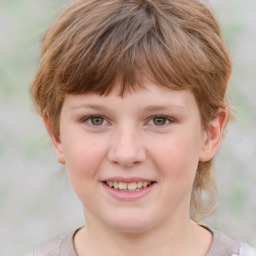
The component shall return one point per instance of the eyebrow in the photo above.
(149, 108)
(90, 106)
(165, 107)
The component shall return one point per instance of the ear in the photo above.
(213, 136)
(56, 142)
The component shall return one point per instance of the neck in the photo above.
(178, 239)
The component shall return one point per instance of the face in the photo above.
(132, 160)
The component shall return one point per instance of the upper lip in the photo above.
(128, 179)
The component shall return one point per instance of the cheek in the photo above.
(177, 157)
(83, 157)
(83, 161)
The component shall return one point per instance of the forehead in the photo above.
(150, 97)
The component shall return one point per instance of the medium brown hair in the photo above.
(94, 45)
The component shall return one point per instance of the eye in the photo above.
(96, 120)
(160, 121)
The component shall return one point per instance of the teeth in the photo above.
(115, 184)
(145, 184)
(122, 185)
(139, 184)
(132, 186)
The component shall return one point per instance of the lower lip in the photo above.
(128, 196)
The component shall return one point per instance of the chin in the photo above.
(129, 223)
(133, 228)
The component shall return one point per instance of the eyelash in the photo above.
(88, 120)
(165, 118)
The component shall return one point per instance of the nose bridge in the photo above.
(127, 148)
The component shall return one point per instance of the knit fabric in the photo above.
(221, 246)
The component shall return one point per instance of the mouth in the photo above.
(129, 187)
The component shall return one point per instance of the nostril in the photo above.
(127, 156)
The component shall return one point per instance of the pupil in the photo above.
(159, 120)
(97, 120)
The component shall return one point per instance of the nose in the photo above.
(127, 148)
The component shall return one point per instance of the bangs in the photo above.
(127, 49)
(94, 46)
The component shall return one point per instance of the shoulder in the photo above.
(60, 246)
(247, 250)
(51, 247)
(222, 245)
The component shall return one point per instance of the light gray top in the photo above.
(221, 246)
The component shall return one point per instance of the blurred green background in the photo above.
(36, 199)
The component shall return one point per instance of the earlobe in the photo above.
(213, 136)
(56, 142)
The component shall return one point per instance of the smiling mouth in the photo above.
(129, 187)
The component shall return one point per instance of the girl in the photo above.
(133, 96)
